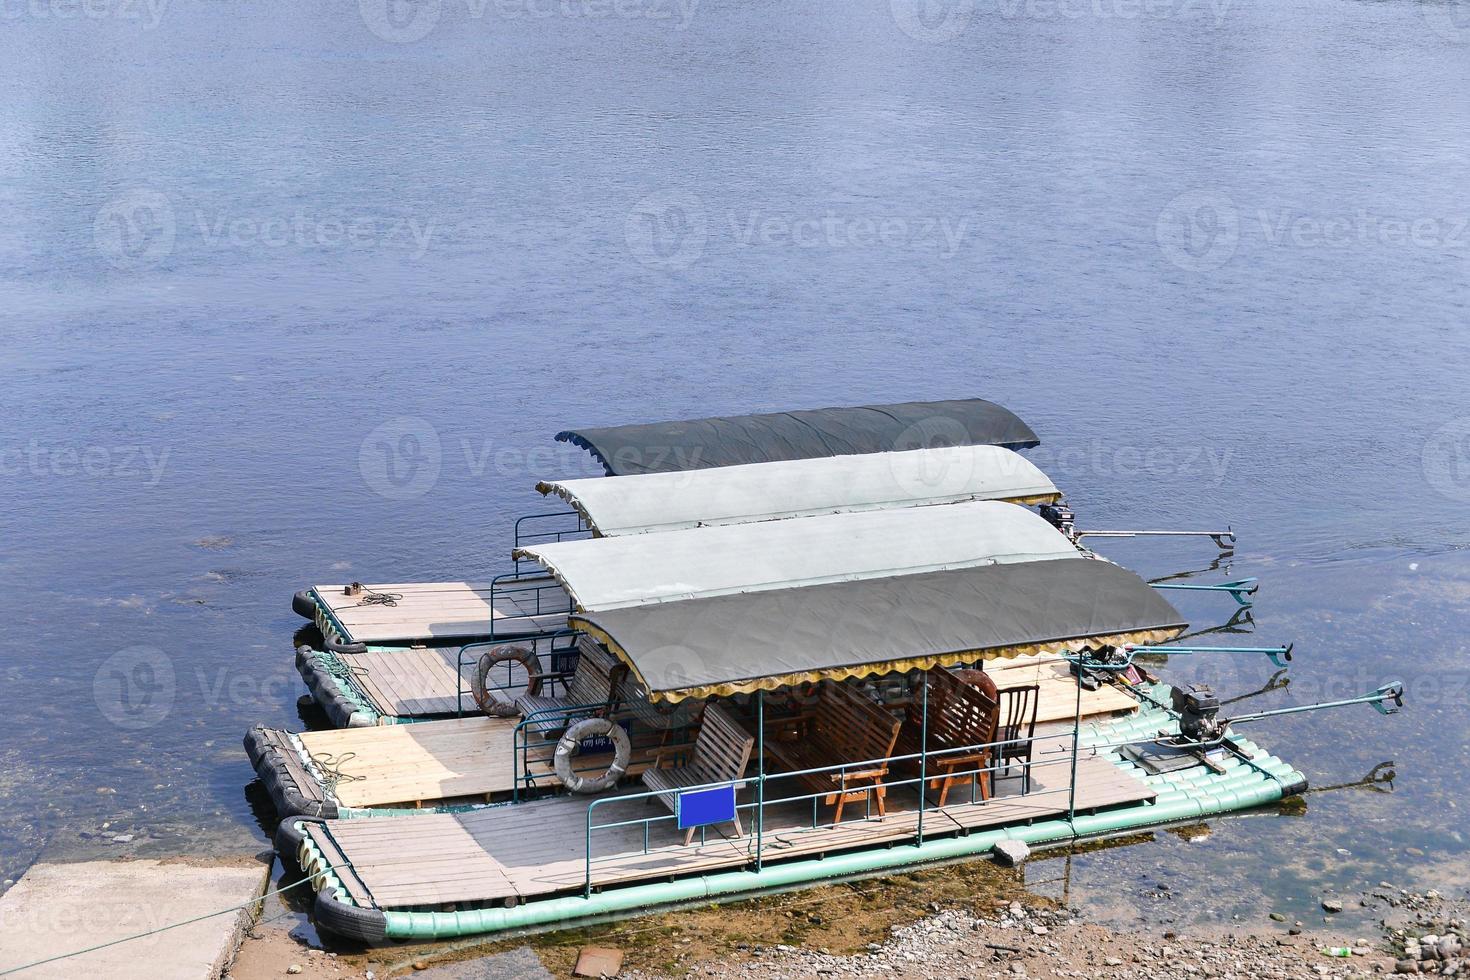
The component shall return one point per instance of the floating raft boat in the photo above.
(523, 865)
(762, 618)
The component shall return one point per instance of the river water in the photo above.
(1214, 251)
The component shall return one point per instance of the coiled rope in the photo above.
(329, 767)
(371, 598)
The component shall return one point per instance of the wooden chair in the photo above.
(722, 750)
(845, 727)
(594, 682)
(960, 714)
(1017, 730)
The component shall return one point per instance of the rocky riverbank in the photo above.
(1006, 937)
(1428, 932)
(1419, 933)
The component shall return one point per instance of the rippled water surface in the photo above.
(1215, 252)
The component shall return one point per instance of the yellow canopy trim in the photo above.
(1142, 637)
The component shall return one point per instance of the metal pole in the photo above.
(1076, 746)
(923, 752)
(760, 781)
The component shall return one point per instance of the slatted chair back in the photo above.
(722, 749)
(1017, 727)
(854, 727)
(960, 714)
(594, 680)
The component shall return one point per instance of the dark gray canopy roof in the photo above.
(664, 447)
(727, 644)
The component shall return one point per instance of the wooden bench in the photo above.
(845, 726)
(595, 681)
(960, 714)
(721, 753)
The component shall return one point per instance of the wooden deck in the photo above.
(432, 762)
(417, 682)
(515, 852)
(1058, 689)
(437, 612)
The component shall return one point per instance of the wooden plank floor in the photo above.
(411, 683)
(427, 761)
(444, 610)
(434, 761)
(534, 849)
(1058, 694)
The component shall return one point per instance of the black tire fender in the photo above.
(349, 921)
(334, 647)
(303, 605)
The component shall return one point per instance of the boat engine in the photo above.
(1060, 516)
(1199, 711)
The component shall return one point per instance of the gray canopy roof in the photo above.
(802, 488)
(602, 573)
(663, 447)
(743, 642)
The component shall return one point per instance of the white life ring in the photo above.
(571, 743)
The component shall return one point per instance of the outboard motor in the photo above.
(1060, 516)
(1199, 711)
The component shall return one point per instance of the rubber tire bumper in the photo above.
(349, 921)
(326, 690)
(287, 797)
(303, 605)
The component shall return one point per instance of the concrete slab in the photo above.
(63, 908)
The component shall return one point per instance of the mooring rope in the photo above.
(173, 925)
(330, 767)
(371, 598)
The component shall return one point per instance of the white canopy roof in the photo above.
(803, 488)
(610, 573)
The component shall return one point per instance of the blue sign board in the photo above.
(701, 807)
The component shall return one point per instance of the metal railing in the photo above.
(996, 769)
(556, 676)
(523, 537)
